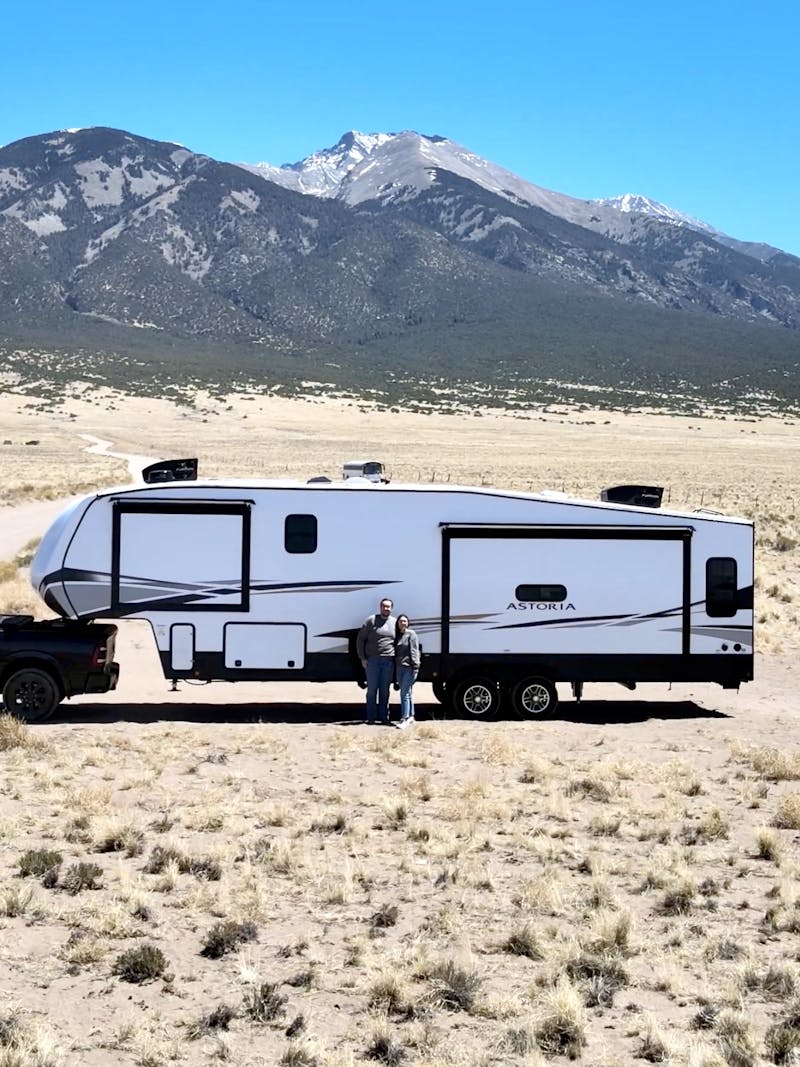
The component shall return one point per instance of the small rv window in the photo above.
(300, 533)
(721, 587)
(541, 594)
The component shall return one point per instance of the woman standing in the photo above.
(407, 660)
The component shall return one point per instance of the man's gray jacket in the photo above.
(376, 637)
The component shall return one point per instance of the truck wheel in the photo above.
(533, 697)
(478, 697)
(439, 691)
(31, 694)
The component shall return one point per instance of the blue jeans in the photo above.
(406, 676)
(380, 672)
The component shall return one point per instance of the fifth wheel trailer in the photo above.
(510, 592)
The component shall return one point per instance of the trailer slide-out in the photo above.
(510, 592)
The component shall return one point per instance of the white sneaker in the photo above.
(402, 724)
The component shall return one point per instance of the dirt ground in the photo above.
(617, 884)
(638, 848)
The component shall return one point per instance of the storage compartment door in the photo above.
(270, 646)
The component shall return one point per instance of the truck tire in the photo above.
(476, 697)
(534, 697)
(439, 690)
(31, 694)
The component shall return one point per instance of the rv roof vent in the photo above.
(170, 470)
(641, 496)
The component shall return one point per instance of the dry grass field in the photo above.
(736, 465)
(182, 882)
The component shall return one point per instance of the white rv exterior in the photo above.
(371, 469)
(510, 592)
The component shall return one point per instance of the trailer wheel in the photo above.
(31, 694)
(478, 697)
(533, 697)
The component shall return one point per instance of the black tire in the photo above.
(31, 694)
(476, 697)
(534, 697)
(439, 690)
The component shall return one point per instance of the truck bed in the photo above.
(43, 663)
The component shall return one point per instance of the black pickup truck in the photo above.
(41, 663)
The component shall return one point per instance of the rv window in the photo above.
(300, 533)
(541, 594)
(721, 584)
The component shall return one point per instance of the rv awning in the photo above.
(578, 531)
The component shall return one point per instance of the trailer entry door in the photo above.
(192, 556)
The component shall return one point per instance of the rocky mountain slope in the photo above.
(384, 252)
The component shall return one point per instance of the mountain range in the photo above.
(389, 264)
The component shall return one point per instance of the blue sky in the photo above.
(693, 104)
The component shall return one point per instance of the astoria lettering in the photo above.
(525, 605)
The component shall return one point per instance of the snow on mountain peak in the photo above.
(368, 166)
(355, 141)
(323, 172)
(636, 204)
(388, 166)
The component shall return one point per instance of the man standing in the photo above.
(375, 648)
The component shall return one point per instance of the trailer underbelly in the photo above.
(726, 670)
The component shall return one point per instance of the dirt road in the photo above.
(20, 523)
